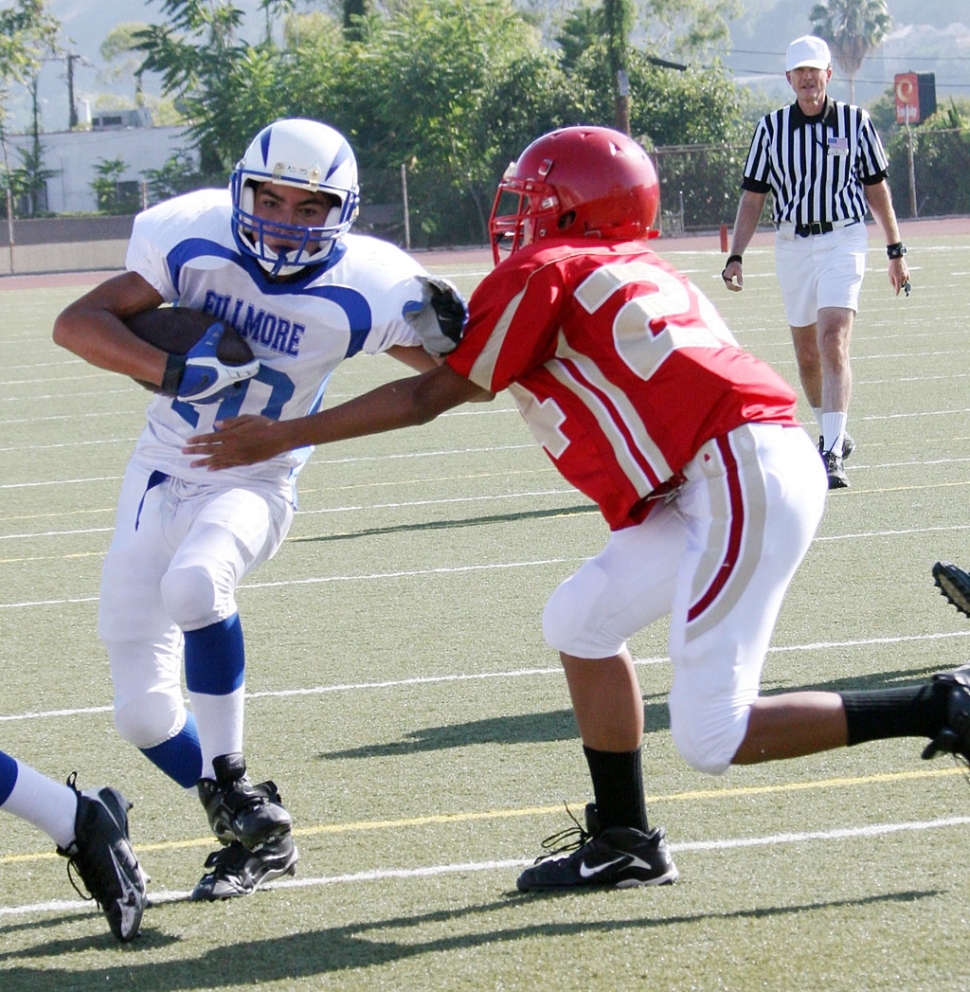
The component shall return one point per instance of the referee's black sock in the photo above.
(918, 711)
(618, 787)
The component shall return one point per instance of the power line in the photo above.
(878, 55)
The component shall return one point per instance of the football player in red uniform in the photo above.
(640, 395)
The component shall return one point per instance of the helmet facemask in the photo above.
(310, 245)
(305, 155)
(524, 211)
(577, 182)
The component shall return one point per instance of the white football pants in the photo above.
(178, 552)
(718, 560)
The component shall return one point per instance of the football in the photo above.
(177, 329)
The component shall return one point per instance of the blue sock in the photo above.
(180, 757)
(215, 660)
(8, 776)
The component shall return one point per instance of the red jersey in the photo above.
(621, 367)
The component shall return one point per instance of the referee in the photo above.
(824, 164)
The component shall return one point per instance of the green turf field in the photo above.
(419, 730)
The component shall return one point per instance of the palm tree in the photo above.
(853, 28)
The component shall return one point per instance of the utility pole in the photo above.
(619, 16)
(70, 58)
(71, 108)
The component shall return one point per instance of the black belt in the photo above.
(806, 230)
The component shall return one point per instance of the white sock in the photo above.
(833, 430)
(44, 803)
(219, 721)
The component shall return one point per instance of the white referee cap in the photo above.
(807, 52)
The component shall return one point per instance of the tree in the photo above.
(688, 27)
(453, 89)
(853, 28)
(220, 83)
(113, 194)
(354, 14)
(178, 175)
(28, 183)
(122, 57)
(27, 32)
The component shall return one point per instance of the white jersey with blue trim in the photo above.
(300, 328)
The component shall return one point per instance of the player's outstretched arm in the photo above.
(403, 403)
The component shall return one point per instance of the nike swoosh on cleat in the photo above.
(586, 872)
(131, 894)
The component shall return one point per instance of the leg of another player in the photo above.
(48, 805)
(791, 725)
(798, 723)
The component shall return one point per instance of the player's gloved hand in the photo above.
(199, 375)
(439, 316)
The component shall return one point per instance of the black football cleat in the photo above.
(954, 583)
(954, 738)
(240, 811)
(611, 857)
(102, 855)
(236, 871)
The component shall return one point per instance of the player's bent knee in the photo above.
(701, 759)
(149, 719)
(706, 746)
(189, 595)
(571, 623)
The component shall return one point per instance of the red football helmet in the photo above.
(575, 182)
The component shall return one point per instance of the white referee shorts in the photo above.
(822, 270)
(718, 559)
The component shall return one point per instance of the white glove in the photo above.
(440, 315)
(202, 374)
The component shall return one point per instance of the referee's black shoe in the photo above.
(848, 446)
(835, 470)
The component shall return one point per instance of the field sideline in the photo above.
(401, 696)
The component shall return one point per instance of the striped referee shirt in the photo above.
(815, 167)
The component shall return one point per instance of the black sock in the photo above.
(918, 711)
(618, 787)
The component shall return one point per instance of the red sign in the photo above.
(907, 98)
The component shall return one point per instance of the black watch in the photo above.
(896, 251)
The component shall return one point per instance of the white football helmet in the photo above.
(305, 154)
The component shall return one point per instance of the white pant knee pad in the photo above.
(701, 760)
(572, 624)
(706, 745)
(189, 595)
(150, 719)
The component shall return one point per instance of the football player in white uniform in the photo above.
(273, 258)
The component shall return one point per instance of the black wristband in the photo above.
(896, 251)
(732, 258)
(172, 379)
